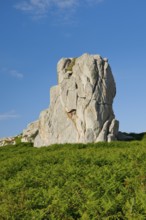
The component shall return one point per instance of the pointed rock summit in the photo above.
(80, 108)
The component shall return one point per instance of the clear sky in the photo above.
(35, 34)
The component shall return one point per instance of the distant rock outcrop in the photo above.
(80, 105)
(7, 141)
(10, 140)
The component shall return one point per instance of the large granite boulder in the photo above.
(80, 105)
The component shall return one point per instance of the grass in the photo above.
(65, 182)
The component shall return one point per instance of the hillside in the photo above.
(64, 182)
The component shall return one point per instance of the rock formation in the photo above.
(80, 105)
(9, 140)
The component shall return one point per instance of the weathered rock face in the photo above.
(80, 105)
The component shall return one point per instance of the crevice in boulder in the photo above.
(71, 114)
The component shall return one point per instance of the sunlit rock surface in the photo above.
(80, 108)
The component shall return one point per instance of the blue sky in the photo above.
(35, 34)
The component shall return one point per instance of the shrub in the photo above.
(65, 182)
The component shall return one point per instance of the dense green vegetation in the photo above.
(64, 182)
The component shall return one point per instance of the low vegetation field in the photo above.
(103, 181)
